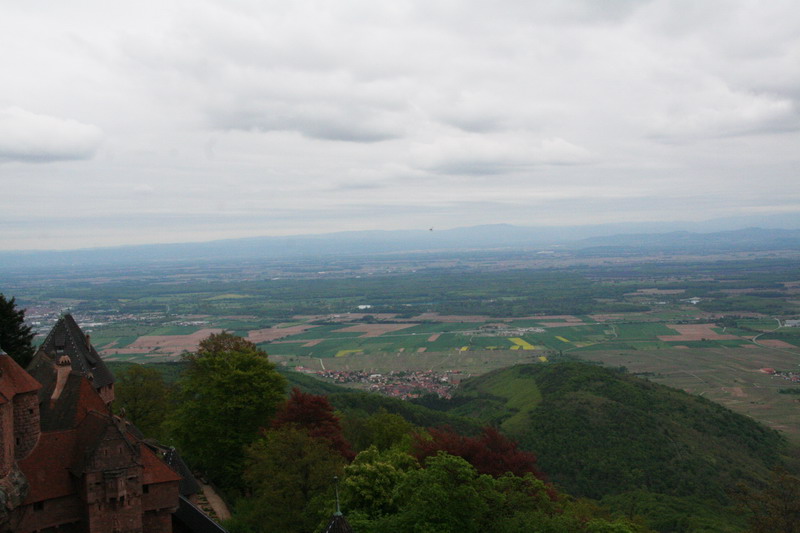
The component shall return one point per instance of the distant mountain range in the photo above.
(600, 238)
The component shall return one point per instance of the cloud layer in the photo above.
(418, 113)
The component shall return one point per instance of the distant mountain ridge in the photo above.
(376, 242)
(742, 239)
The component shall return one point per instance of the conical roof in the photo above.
(338, 524)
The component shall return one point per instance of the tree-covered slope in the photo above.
(599, 432)
(606, 435)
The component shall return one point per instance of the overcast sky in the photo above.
(169, 121)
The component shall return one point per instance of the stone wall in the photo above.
(26, 423)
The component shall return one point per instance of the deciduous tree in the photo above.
(229, 391)
(369, 486)
(290, 476)
(314, 414)
(142, 393)
(776, 507)
(490, 453)
(382, 430)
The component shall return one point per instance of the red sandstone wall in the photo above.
(114, 517)
(107, 393)
(6, 437)
(26, 423)
(161, 496)
(56, 512)
(160, 522)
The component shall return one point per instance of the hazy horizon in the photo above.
(185, 121)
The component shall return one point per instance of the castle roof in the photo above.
(59, 454)
(67, 338)
(14, 380)
(155, 469)
(47, 466)
(77, 398)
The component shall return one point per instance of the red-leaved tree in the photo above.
(314, 414)
(490, 453)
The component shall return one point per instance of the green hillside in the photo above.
(504, 398)
(606, 435)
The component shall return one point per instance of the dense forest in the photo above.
(636, 446)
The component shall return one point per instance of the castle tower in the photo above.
(19, 413)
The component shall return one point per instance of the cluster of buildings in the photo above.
(398, 384)
(787, 375)
(68, 464)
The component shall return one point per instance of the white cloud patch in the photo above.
(32, 137)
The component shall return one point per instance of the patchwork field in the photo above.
(355, 333)
(163, 345)
(685, 348)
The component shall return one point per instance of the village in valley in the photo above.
(405, 385)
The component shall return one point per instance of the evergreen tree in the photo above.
(16, 338)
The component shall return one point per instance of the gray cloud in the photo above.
(461, 113)
(317, 120)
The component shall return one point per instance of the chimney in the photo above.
(63, 368)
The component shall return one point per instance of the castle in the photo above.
(67, 464)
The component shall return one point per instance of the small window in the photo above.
(38, 506)
(17, 441)
(145, 489)
(30, 411)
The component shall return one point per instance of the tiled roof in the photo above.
(47, 466)
(14, 380)
(155, 470)
(67, 338)
(76, 399)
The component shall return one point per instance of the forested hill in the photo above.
(631, 443)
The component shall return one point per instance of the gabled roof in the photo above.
(77, 398)
(67, 338)
(14, 380)
(95, 429)
(156, 470)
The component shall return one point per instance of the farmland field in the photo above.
(707, 325)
